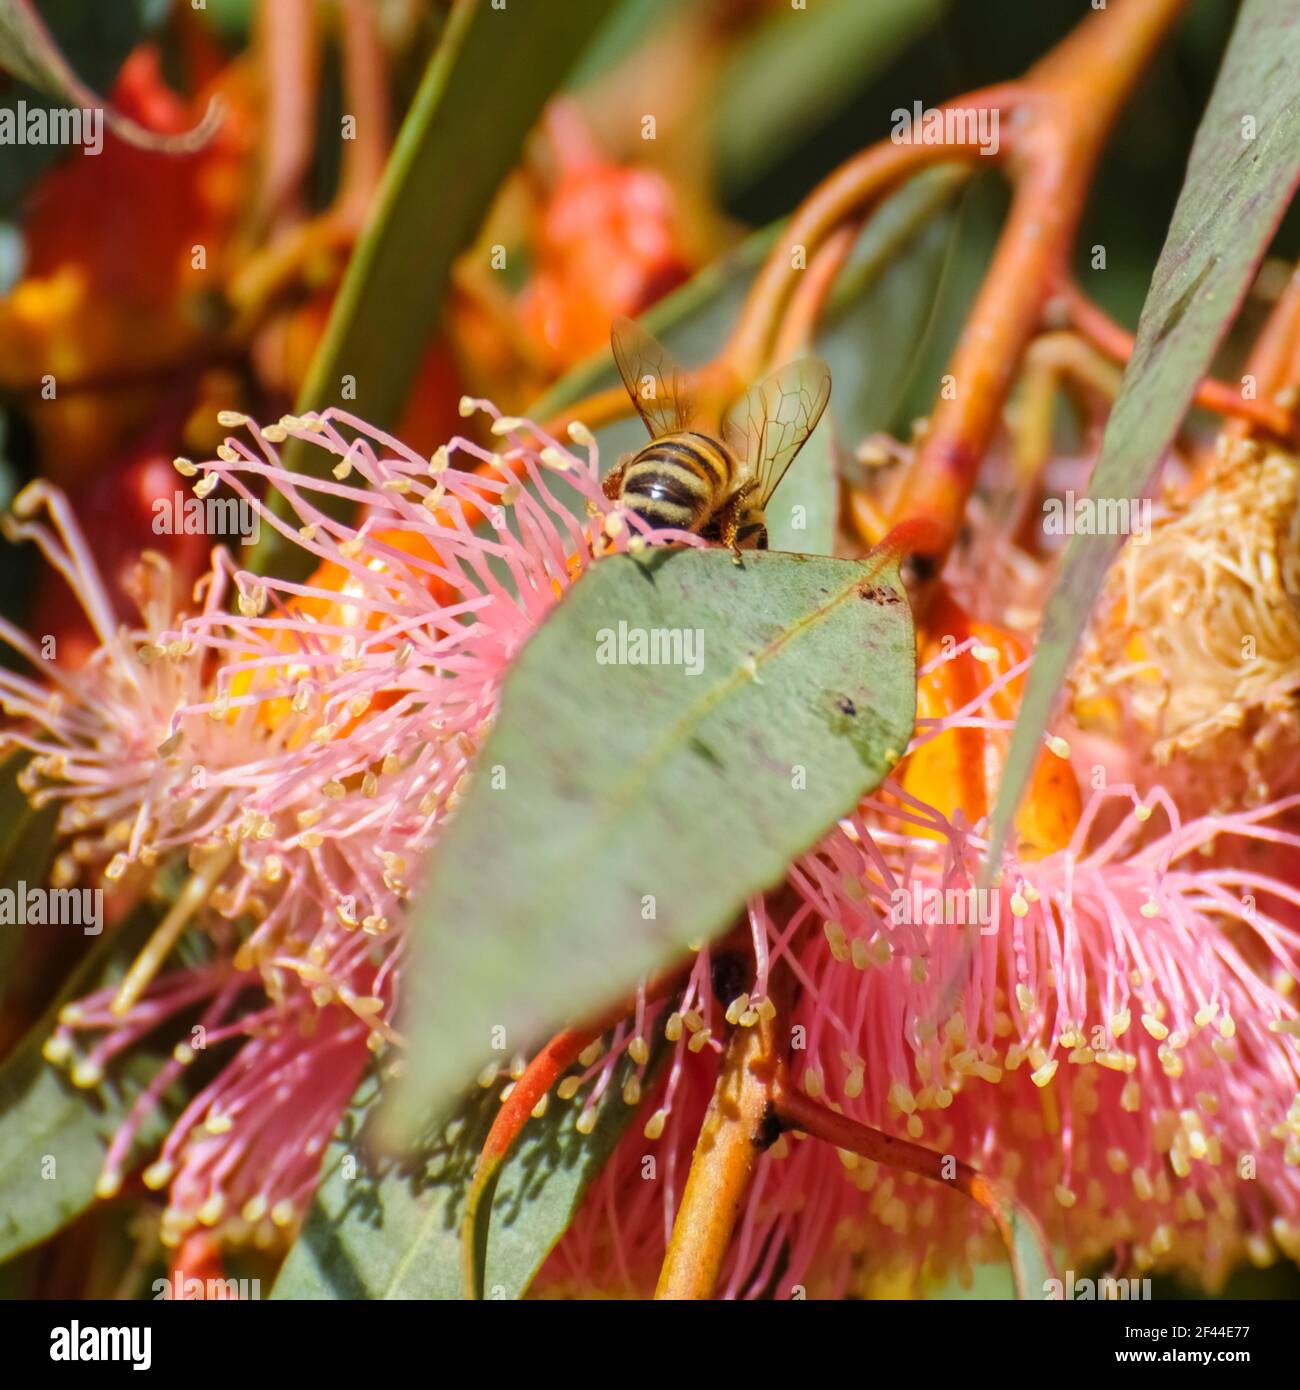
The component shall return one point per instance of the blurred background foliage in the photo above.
(754, 103)
(522, 209)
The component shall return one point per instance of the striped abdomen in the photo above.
(680, 480)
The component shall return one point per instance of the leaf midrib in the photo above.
(675, 736)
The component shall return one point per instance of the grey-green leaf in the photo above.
(1244, 167)
(392, 1229)
(53, 1136)
(623, 811)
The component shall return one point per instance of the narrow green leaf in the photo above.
(380, 1228)
(486, 83)
(632, 25)
(881, 304)
(1244, 167)
(874, 321)
(969, 238)
(1032, 1264)
(802, 513)
(28, 50)
(45, 1121)
(626, 810)
(26, 847)
(543, 1180)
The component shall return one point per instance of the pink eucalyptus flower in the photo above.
(302, 750)
(1114, 1035)
(1121, 1048)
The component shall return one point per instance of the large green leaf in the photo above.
(381, 1228)
(44, 1118)
(1244, 167)
(622, 812)
(485, 85)
(31, 53)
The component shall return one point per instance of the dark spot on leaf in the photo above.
(1184, 302)
(846, 706)
(705, 752)
(879, 593)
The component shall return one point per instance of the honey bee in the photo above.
(687, 477)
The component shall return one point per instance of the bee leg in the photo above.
(612, 484)
(729, 518)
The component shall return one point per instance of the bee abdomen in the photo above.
(676, 481)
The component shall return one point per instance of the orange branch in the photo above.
(1067, 106)
(848, 193)
(517, 1108)
(796, 332)
(1117, 343)
(794, 1110)
(1275, 358)
(731, 1140)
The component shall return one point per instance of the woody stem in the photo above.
(792, 1109)
(1068, 103)
(846, 195)
(726, 1154)
(736, 1130)
(1116, 342)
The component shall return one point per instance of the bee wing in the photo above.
(657, 385)
(768, 426)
